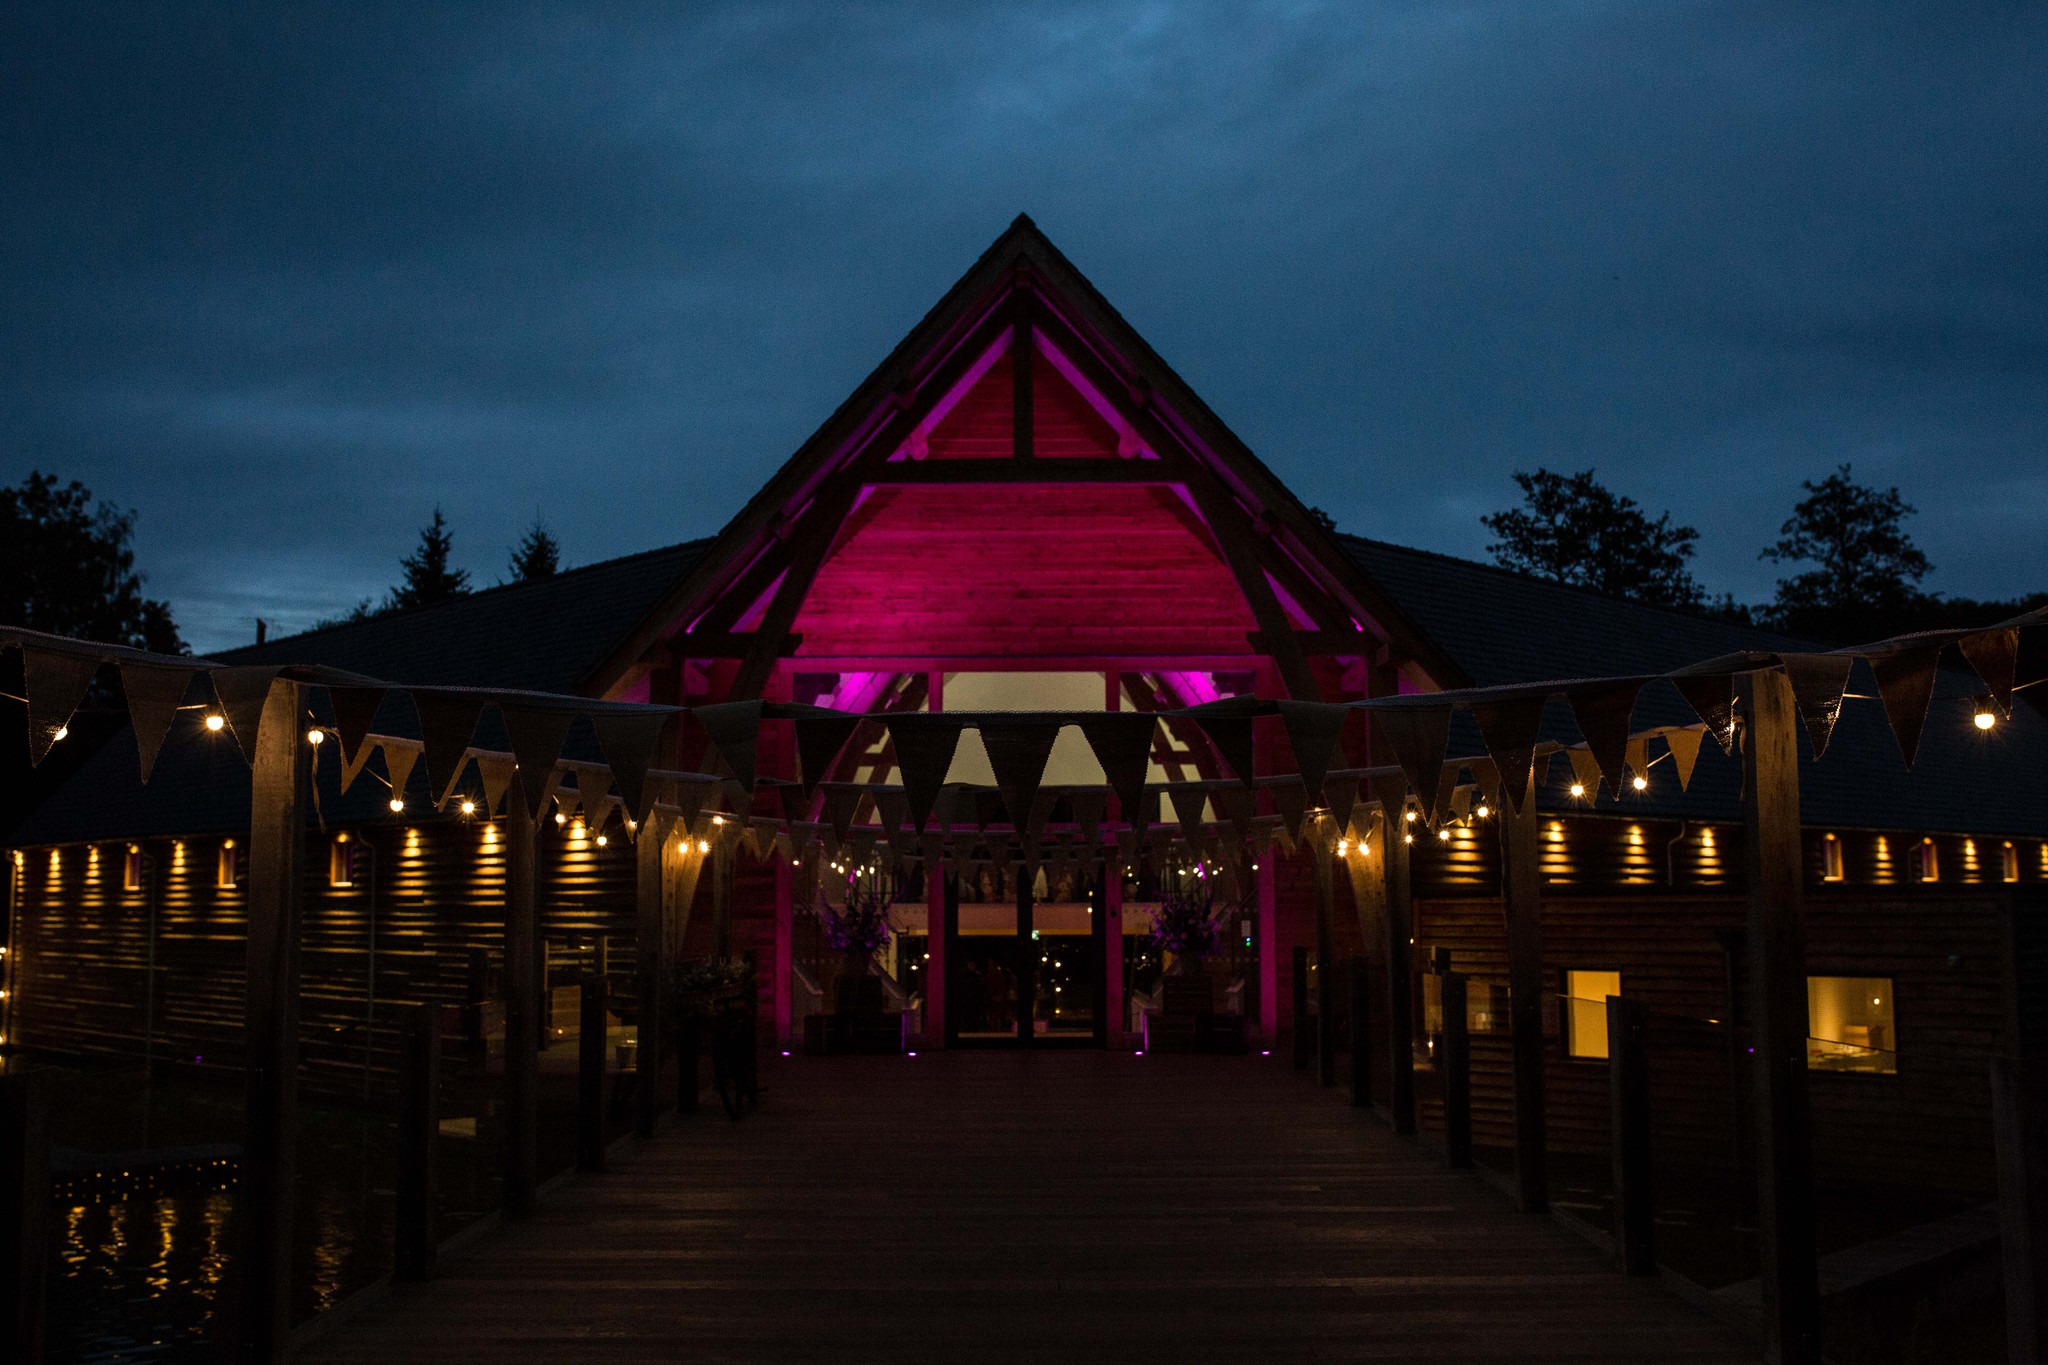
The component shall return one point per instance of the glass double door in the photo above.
(1021, 972)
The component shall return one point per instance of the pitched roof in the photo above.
(547, 636)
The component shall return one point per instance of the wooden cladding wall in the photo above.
(1030, 570)
(1944, 951)
(104, 971)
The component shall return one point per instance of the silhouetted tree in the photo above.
(1866, 579)
(537, 556)
(1572, 529)
(66, 567)
(428, 577)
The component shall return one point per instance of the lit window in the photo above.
(2009, 862)
(1585, 1028)
(131, 870)
(1929, 861)
(1849, 1024)
(1830, 858)
(224, 870)
(341, 862)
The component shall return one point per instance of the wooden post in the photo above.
(1303, 1039)
(721, 893)
(522, 1056)
(1400, 922)
(24, 1214)
(278, 789)
(1027, 958)
(1361, 1033)
(1114, 1010)
(649, 925)
(543, 995)
(1269, 952)
(476, 991)
(2017, 1114)
(419, 1127)
(1521, 894)
(590, 1048)
(1628, 1085)
(935, 944)
(785, 949)
(1786, 1238)
(1326, 965)
(1454, 1066)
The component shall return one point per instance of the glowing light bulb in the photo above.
(601, 840)
(469, 808)
(62, 731)
(561, 819)
(1443, 836)
(397, 804)
(215, 722)
(316, 737)
(1407, 838)
(1409, 816)
(1983, 720)
(1578, 789)
(703, 845)
(1483, 811)
(1641, 784)
(718, 819)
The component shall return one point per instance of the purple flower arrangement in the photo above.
(1188, 924)
(859, 928)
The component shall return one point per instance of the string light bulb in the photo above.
(1983, 720)
(1407, 838)
(62, 732)
(1578, 789)
(703, 845)
(1641, 783)
(469, 808)
(601, 839)
(1443, 836)
(316, 736)
(1409, 816)
(561, 819)
(214, 721)
(1483, 810)
(397, 804)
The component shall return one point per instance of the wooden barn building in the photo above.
(1024, 507)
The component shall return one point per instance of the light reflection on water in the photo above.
(138, 1277)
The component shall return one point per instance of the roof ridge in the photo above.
(490, 591)
(1581, 589)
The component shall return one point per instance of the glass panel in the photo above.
(1063, 935)
(1849, 1024)
(1586, 998)
(986, 1002)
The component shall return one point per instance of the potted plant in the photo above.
(1189, 926)
(858, 930)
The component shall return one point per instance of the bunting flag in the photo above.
(1390, 789)
(1342, 790)
(1230, 730)
(692, 794)
(734, 728)
(1509, 728)
(1239, 805)
(819, 740)
(842, 803)
(1995, 656)
(1461, 801)
(1188, 804)
(355, 710)
(1639, 757)
(1818, 681)
(242, 692)
(447, 793)
(154, 693)
(1905, 683)
(1089, 805)
(1418, 735)
(924, 742)
(1602, 713)
(537, 735)
(1292, 802)
(593, 784)
(1122, 741)
(399, 757)
(1018, 751)
(495, 771)
(628, 740)
(447, 725)
(894, 808)
(1314, 731)
(1712, 698)
(1684, 744)
(56, 682)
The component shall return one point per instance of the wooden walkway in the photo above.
(975, 1208)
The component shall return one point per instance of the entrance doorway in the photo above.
(1021, 971)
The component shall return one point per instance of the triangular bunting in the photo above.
(1417, 736)
(242, 692)
(447, 724)
(1685, 752)
(1122, 741)
(1232, 736)
(818, 742)
(593, 784)
(1509, 729)
(1313, 732)
(355, 709)
(1090, 805)
(57, 681)
(924, 742)
(537, 734)
(1292, 802)
(735, 731)
(1602, 711)
(894, 807)
(1188, 803)
(1995, 655)
(628, 740)
(399, 757)
(496, 772)
(153, 693)
(1818, 681)
(1712, 698)
(1585, 769)
(1905, 683)
(1017, 751)
(842, 802)
(1239, 805)
(1341, 793)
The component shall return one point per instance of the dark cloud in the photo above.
(282, 278)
